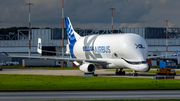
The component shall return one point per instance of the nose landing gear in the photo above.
(134, 73)
(120, 72)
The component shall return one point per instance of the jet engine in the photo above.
(87, 68)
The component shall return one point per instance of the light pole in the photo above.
(112, 17)
(62, 31)
(29, 27)
(166, 37)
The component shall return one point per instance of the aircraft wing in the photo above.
(97, 62)
(54, 52)
(153, 57)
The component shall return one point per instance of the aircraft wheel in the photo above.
(123, 72)
(135, 74)
(116, 73)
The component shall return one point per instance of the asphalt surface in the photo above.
(101, 72)
(89, 95)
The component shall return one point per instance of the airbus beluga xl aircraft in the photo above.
(109, 51)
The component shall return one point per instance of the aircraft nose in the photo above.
(144, 67)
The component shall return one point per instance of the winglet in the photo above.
(39, 46)
(6, 53)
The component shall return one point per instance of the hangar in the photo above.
(52, 40)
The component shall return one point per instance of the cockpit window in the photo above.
(135, 63)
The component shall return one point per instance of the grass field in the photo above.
(10, 82)
(140, 100)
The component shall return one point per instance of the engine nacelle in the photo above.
(88, 68)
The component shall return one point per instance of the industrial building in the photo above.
(52, 40)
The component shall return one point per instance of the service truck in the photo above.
(167, 68)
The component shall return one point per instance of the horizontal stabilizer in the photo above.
(6, 53)
(153, 57)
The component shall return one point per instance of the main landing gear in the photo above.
(120, 72)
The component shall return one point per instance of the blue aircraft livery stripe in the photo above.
(71, 46)
(70, 32)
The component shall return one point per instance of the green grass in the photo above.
(137, 100)
(11, 82)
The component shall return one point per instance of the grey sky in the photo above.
(91, 13)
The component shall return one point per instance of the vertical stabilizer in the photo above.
(72, 36)
(39, 46)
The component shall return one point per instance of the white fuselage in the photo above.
(120, 50)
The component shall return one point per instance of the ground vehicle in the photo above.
(167, 68)
(166, 71)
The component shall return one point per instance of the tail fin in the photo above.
(39, 46)
(72, 35)
(175, 53)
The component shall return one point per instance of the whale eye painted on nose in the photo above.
(115, 55)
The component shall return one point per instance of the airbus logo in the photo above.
(140, 46)
(97, 49)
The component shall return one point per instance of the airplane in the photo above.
(108, 51)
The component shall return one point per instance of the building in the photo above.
(52, 40)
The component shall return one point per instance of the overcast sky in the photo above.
(90, 13)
